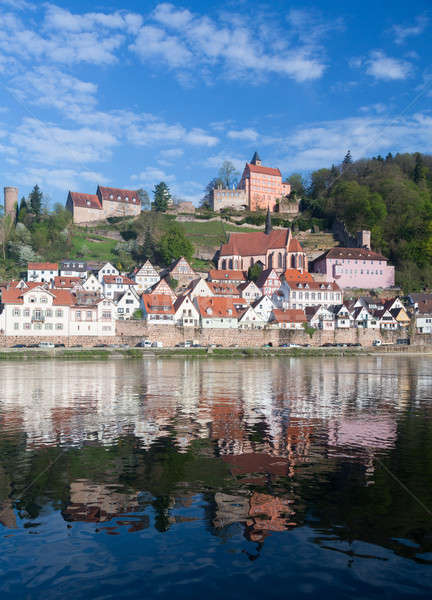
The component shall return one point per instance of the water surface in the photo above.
(183, 478)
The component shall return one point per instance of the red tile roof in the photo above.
(292, 315)
(113, 279)
(223, 288)
(352, 253)
(66, 282)
(42, 266)
(263, 170)
(219, 308)
(296, 275)
(85, 200)
(255, 243)
(118, 195)
(61, 297)
(225, 275)
(160, 304)
(314, 286)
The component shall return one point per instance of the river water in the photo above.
(201, 479)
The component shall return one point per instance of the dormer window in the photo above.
(118, 197)
(209, 311)
(127, 198)
(88, 202)
(111, 197)
(230, 311)
(133, 199)
(307, 285)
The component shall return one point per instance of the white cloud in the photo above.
(215, 161)
(386, 68)
(171, 153)
(182, 39)
(49, 144)
(159, 131)
(249, 135)
(61, 179)
(321, 144)
(402, 32)
(151, 176)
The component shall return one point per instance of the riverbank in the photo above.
(138, 353)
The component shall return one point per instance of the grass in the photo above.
(99, 248)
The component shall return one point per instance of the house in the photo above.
(114, 284)
(186, 313)
(297, 294)
(158, 309)
(263, 308)
(363, 318)
(423, 317)
(249, 291)
(92, 284)
(67, 283)
(182, 272)
(320, 317)
(224, 288)
(107, 202)
(273, 249)
(355, 268)
(259, 188)
(106, 269)
(198, 287)
(126, 303)
(42, 271)
(145, 277)
(385, 319)
(163, 287)
(369, 302)
(73, 268)
(268, 282)
(219, 275)
(248, 319)
(343, 316)
(217, 312)
(92, 315)
(293, 318)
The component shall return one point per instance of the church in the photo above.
(273, 249)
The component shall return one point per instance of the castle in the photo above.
(259, 188)
(107, 202)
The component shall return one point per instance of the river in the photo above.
(188, 478)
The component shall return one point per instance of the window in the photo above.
(89, 315)
(16, 312)
(48, 312)
(44, 300)
(78, 315)
(48, 326)
(16, 325)
(27, 326)
(26, 312)
(59, 325)
(106, 314)
(37, 325)
(59, 312)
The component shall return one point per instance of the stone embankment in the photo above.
(132, 332)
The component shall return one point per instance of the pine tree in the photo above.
(35, 200)
(148, 248)
(347, 160)
(418, 169)
(162, 197)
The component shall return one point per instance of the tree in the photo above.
(228, 174)
(145, 199)
(254, 272)
(347, 160)
(162, 197)
(35, 201)
(148, 249)
(212, 184)
(297, 184)
(6, 228)
(174, 244)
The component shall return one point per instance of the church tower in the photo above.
(256, 160)
(268, 227)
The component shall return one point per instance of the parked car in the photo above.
(46, 345)
(376, 343)
(157, 345)
(19, 346)
(101, 346)
(59, 345)
(144, 344)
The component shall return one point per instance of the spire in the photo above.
(268, 226)
(256, 159)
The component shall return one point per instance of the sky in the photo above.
(127, 94)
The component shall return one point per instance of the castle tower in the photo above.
(256, 160)
(10, 201)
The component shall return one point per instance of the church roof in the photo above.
(257, 243)
(255, 158)
(263, 170)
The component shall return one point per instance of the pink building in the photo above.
(355, 268)
(263, 185)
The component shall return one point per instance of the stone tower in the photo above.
(364, 239)
(10, 201)
(268, 227)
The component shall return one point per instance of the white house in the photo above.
(217, 312)
(249, 291)
(92, 284)
(146, 277)
(301, 294)
(43, 271)
(343, 317)
(423, 318)
(73, 268)
(263, 308)
(198, 287)
(320, 317)
(115, 284)
(97, 319)
(364, 318)
(126, 304)
(158, 309)
(107, 269)
(292, 318)
(186, 313)
(248, 319)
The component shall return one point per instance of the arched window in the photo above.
(293, 261)
(224, 264)
(280, 260)
(251, 261)
(270, 261)
(230, 264)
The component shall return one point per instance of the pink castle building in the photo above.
(355, 268)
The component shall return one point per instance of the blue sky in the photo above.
(128, 94)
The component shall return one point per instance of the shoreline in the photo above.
(138, 353)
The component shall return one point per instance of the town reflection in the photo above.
(251, 447)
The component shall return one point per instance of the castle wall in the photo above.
(87, 215)
(120, 209)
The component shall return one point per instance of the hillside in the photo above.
(392, 197)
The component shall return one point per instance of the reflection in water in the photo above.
(233, 453)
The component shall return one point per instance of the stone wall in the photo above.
(132, 332)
